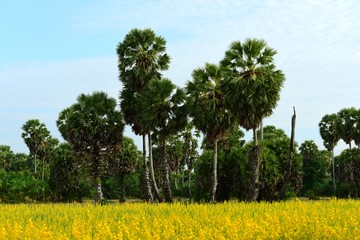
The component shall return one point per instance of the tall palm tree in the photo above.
(162, 110)
(252, 89)
(207, 110)
(330, 135)
(142, 57)
(94, 128)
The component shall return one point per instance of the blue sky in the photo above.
(52, 51)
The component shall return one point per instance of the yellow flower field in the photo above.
(334, 219)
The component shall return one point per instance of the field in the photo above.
(334, 219)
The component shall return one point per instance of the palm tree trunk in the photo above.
(122, 188)
(176, 181)
(255, 155)
(98, 198)
(189, 184)
(333, 170)
(43, 169)
(35, 163)
(166, 180)
(98, 188)
(146, 180)
(215, 180)
(152, 172)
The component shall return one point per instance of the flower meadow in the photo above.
(333, 219)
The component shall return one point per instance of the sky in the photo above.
(52, 51)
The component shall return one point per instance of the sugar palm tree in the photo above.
(39, 141)
(330, 135)
(207, 110)
(162, 110)
(346, 124)
(142, 57)
(94, 128)
(252, 89)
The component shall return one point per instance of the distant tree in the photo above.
(329, 133)
(22, 162)
(39, 141)
(315, 164)
(142, 57)
(252, 89)
(349, 172)
(162, 109)
(208, 112)
(66, 178)
(346, 124)
(94, 128)
(274, 167)
(6, 157)
(123, 162)
(190, 154)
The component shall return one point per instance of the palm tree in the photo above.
(207, 110)
(346, 124)
(141, 57)
(162, 110)
(39, 141)
(190, 153)
(94, 128)
(356, 136)
(252, 89)
(330, 135)
(123, 162)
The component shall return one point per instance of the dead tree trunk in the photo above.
(290, 159)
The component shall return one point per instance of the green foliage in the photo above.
(7, 157)
(67, 181)
(276, 147)
(348, 173)
(22, 186)
(122, 163)
(233, 170)
(315, 166)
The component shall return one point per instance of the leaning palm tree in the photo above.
(141, 57)
(252, 88)
(207, 110)
(162, 110)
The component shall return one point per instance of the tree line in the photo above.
(97, 161)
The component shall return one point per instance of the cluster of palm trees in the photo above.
(239, 91)
(343, 125)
